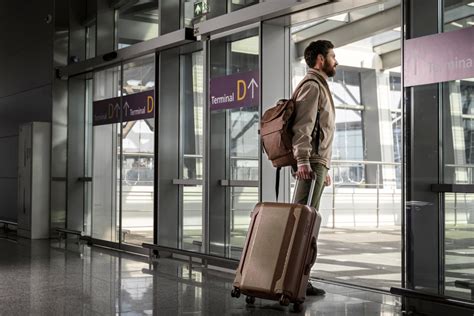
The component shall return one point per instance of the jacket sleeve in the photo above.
(306, 109)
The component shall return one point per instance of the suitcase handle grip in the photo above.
(310, 194)
(314, 251)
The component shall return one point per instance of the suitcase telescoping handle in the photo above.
(310, 194)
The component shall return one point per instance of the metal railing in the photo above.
(468, 168)
(348, 163)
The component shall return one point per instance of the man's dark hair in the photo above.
(314, 49)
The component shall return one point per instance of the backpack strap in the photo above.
(277, 182)
(300, 85)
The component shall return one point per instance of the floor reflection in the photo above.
(51, 278)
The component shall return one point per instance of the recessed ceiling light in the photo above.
(471, 4)
(456, 24)
(470, 23)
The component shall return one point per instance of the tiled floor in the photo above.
(370, 257)
(43, 278)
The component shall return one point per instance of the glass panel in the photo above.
(192, 103)
(244, 165)
(458, 14)
(360, 238)
(396, 115)
(106, 153)
(458, 119)
(137, 21)
(138, 143)
(90, 41)
(459, 248)
(235, 129)
(82, 30)
(240, 4)
(88, 145)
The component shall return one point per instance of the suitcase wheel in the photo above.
(297, 307)
(284, 300)
(235, 292)
(250, 300)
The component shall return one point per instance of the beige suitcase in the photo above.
(279, 251)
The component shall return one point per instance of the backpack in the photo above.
(276, 134)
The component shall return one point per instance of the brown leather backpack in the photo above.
(276, 133)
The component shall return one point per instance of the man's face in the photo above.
(330, 64)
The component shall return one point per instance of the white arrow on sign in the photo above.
(126, 107)
(198, 10)
(253, 84)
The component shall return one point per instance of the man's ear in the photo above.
(320, 58)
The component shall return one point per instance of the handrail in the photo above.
(365, 162)
(238, 183)
(71, 231)
(7, 222)
(231, 263)
(459, 165)
(452, 188)
(188, 182)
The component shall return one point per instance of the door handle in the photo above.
(238, 183)
(188, 182)
(84, 179)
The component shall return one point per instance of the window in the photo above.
(137, 21)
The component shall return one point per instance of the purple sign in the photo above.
(438, 58)
(137, 106)
(235, 91)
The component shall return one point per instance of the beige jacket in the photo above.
(309, 98)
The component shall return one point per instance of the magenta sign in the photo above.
(439, 58)
(235, 91)
(137, 106)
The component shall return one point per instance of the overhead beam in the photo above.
(387, 47)
(391, 59)
(461, 12)
(160, 43)
(252, 14)
(327, 10)
(358, 30)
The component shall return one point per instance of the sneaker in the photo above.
(313, 291)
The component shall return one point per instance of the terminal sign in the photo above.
(137, 106)
(439, 58)
(235, 91)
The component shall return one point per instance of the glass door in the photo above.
(234, 145)
(79, 184)
(458, 156)
(138, 148)
(122, 158)
(106, 154)
(191, 148)
(360, 237)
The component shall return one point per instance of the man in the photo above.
(313, 156)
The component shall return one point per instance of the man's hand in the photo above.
(304, 172)
(327, 181)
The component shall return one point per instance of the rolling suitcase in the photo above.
(279, 252)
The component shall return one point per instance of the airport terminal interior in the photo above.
(131, 157)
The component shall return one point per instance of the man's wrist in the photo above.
(303, 162)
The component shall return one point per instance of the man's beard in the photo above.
(328, 70)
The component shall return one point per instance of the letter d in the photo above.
(239, 83)
(150, 104)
